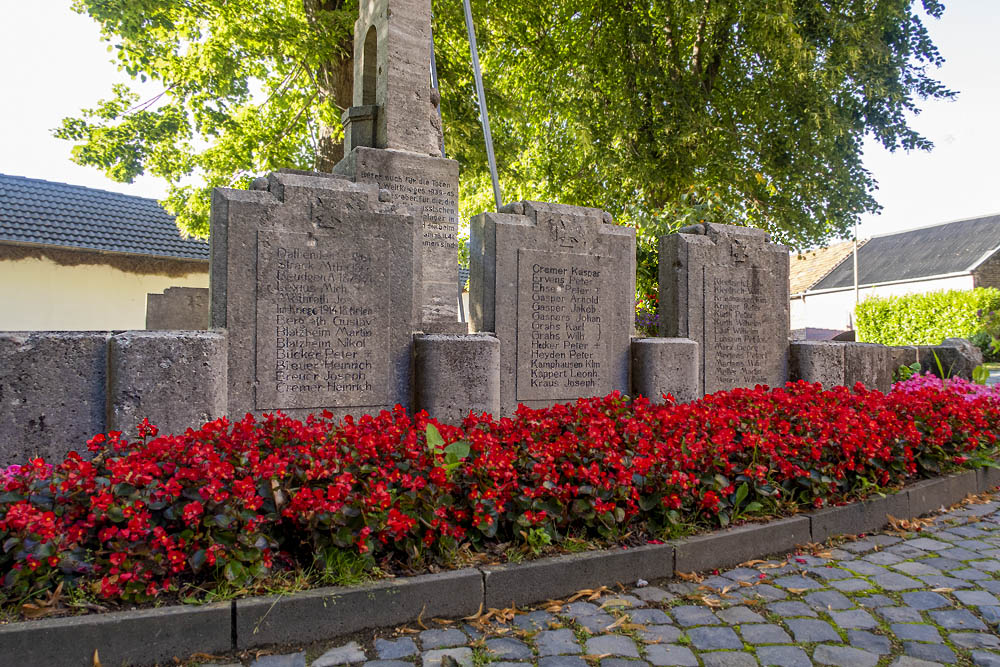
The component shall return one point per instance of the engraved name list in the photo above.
(322, 322)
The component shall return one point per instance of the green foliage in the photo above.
(660, 112)
(988, 339)
(906, 372)
(924, 319)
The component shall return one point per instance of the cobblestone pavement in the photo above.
(901, 599)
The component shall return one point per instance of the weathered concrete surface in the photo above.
(834, 363)
(52, 392)
(457, 374)
(136, 637)
(726, 288)
(552, 578)
(177, 380)
(729, 547)
(317, 282)
(178, 308)
(954, 357)
(665, 366)
(556, 284)
(329, 612)
(859, 517)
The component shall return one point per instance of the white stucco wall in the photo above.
(39, 294)
(835, 310)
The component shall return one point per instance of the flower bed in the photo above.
(238, 502)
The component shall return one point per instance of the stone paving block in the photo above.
(391, 663)
(623, 662)
(728, 659)
(766, 592)
(924, 600)
(990, 565)
(331, 612)
(878, 600)
(811, 630)
(915, 568)
(616, 645)
(689, 615)
(391, 649)
(868, 641)
(562, 661)
(939, 581)
(442, 638)
(928, 544)
(852, 585)
(348, 654)
(958, 553)
(508, 648)
(535, 620)
(990, 614)
(831, 573)
(707, 638)
(893, 581)
(797, 581)
(462, 655)
(286, 660)
(974, 640)
(789, 609)
(551, 578)
(956, 619)
(766, 633)
(660, 634)
(906, 551)
(662, 655)
(853, 619)
(900, 614)
(737, 615)
(883, 558)
(864, 567)
(985, 659)
(596, 623)
(557, 642)
(843, 656)
(828, 600)
(728, 547)
(920, 632)
(970, 574)
(652, 594)
(936, 653)
(976, 598)
(648, 616)
(783, 656)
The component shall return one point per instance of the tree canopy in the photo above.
(658, 111)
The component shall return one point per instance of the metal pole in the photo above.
(482, 104)
(856, 299)
(434, 85)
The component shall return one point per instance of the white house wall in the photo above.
(835, 310)
(37, 294)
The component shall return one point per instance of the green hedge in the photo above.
(923, 319)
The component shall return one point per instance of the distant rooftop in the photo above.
(809, 267)
(72, 216)
(953, 247)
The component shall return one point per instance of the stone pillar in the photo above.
(557, 286)
(176, 380)
(52, 393)
(457, 374)
(665, 366)
(833, 363)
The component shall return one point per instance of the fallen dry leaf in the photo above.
(691, 576)
(477, 615)
(97, 659)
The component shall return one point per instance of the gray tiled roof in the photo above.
(71, 216)
(954, 247)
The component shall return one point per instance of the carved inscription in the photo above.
(438, 200)
(736, 337)
(322, 321)
(561, 348)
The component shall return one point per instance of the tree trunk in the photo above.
(334, 78)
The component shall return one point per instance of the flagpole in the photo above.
(488, 136)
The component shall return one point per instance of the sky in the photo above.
(56, 64)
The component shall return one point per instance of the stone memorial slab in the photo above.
(178, 308)
(726, 288)
(556, 284)
(306, 277)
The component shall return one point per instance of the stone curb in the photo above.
(330, 612)
(158, 635)
(550, 578)
(137, 637)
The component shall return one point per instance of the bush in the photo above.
(238, 502)
(924, 319)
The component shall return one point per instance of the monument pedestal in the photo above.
(428, 186)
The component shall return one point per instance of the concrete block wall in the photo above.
(58, 389)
